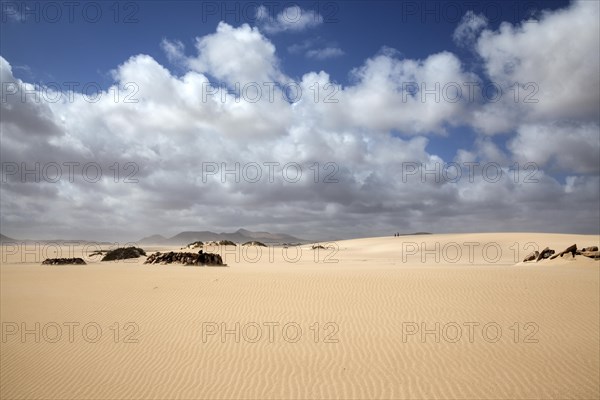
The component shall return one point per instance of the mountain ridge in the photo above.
(4, 238)
(240, 236)
(183, 238)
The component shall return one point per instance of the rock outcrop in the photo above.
(195, 245)
(547, 253)
(123, 253)
(591, 254)
(254, 243)
(532, 256)
(220, 243)
(571, 249)
(63, 261)
(184, 258)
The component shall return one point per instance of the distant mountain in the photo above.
(6, 239)
(266, 236)
(239, 236)
(154, 239)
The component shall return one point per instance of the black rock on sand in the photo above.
(123, 253)
(63, 261)
(199, 258)
(254, 243)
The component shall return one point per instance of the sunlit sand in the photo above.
(365, 318)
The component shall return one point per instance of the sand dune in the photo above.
(344, 322)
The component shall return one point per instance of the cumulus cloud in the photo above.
(236, 55)
(548, 80)
(406, 95)
(291, 19)
(569, 146)
(362, 134)
(25, 107)
(552, 64)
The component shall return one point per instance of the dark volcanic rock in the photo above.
(63, 261)
(123, 253)
(254, 243)
(590, 248)
(546, 253)
(591, 254)
(532, 256)
(571, 249)
(199, 258)
(194, 245)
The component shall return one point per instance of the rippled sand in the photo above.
(385, 321)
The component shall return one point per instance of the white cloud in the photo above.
(469, 28)
(567, 146)
(298, 48)
(11, 12)
(316, 48)
(174, 50)
(291, 19)
(383, 98)
(173, 128)
(555, 106)
(553, 62)
(236, 55)
(325, 53)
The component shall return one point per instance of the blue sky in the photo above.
(75, 49)
(370, 51)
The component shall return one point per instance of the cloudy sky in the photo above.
(319, 119)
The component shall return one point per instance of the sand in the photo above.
(350, 329)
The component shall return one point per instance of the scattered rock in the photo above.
(194, 245)
(123, 253)
(571, 249)
(532, 256)
(546, 253)
(220, 243)
(591, 254)
(199, 258)
(254, 243)
(571, 252)
(63, 261)
(568, 256)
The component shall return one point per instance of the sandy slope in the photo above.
(369, 310)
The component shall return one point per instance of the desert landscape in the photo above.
(374, 318)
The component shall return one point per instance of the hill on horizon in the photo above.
(240, 236)
(4, 238)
